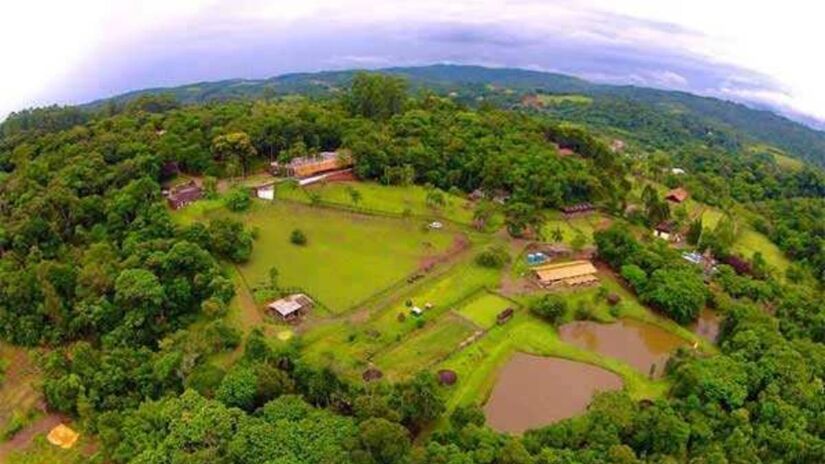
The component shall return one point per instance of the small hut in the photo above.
(183, 195)
(677, 195)
(613, 299)
(447, 377)
(291, 307)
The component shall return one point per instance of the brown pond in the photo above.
(636, 343)
(707, 326)
(532, 391)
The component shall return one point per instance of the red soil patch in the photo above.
(341, 176)
(460, 243)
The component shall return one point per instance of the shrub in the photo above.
(550, 308)
(584, 312)
(635, 275)
(298, 237)
(493, 257)
(237, 200)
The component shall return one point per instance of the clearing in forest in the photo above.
(393, 200)
(347, 257)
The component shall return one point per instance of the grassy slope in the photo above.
(383, 199)
(348, 257)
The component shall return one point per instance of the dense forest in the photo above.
(93, 267)
(661, 113)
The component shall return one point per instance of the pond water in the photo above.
(707, 326)
(532, 391)
(636, 343)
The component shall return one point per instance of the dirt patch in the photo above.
(460, 244)
(512, 286)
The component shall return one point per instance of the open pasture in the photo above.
(393, 200)
(483, 309)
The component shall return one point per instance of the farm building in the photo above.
(667, 231)
(181, 196)
(265, 191)
(677, 195)
(578, 208)
(291, 307)
(308, 166)
(677, 171)
(571, 273)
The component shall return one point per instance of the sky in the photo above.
(759, 52)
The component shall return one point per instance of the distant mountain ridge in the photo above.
(756, 125)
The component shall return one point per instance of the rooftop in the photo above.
(678, 195)
(289, 305)
(560, 271)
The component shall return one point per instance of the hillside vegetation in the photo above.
(150, 324)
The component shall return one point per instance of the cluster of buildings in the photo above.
(328, 165)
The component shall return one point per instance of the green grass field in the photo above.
(570, 227)
(347, 258)
(348, 345)
(750, 241)
(483, 309)
(424, 347)
(383, 198)
(546, 99)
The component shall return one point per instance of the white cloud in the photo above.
(46, 41)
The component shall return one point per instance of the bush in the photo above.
(237, 199)
(634, 275)
(584, 312)
(679, 293)
(494, 257)
(550, 308)
(298, 238)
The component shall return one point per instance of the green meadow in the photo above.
(394, 200)
(482, 310)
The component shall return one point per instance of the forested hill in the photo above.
(665, 113)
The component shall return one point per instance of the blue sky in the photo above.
(72, 52)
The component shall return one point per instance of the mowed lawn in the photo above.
(424, 347)
(749, 241)
(483, 310)
(584, 224)
(347, 258)
(347, 346)
(383, 198)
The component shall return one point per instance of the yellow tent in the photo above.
(63, 436)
